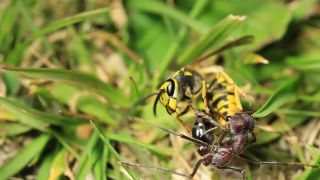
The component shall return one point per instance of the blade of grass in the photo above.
(59, 165)
(212, 39)
(15, 55)
(12, 128)
(87, 103)
(299, 112)
(126, 138)
(85, 80)
(18, 162)
(160, 8)
(65, 143)
(44, 169)
(291, 122)
(313, 173)
(100, 169)
(113, 152)
(284, 94)
(35, 118)
(87, 157)
(80, 51)
(67, 22)
(182, 34)
(304, 63)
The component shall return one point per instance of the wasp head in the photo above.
(168, 94)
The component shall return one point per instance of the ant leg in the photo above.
(253, 137)
(209, 118)
(196, 167)
(234, 169)
(221, 137)
(276, 163)
(191, 139)
(165, 170)
(209, 130)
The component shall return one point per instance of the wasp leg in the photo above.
(185, 110)
(276, 163)
(183, 124)
(209, 118)
(234, 169)
(204, 97)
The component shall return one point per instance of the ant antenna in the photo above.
(153, 167)
(209, 118)
(276, 163)
(183, 136)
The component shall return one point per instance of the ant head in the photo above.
(168, 94)
(241, 123)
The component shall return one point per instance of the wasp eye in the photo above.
(170, 87)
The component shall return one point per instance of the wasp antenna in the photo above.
(140, 102)
(155, 103)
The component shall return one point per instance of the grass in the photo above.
(72, 72)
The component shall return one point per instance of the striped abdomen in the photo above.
(224, 97)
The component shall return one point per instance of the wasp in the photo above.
(219, 93)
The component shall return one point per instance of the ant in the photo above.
(240, 125)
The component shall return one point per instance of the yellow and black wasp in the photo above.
(219, 93)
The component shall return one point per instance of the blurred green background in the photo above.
(66, 63)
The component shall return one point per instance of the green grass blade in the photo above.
(22, 159)
(89, 104)
(125, 138)
(63, 140)
(36, 118)
(87, 160)
(113, 151)
(44, 169)
(282, 95)
(87, 81)
(160, 8)
(304, 63)
(100, 166)
(54, 26)
(212, 39)
(58, 166)
(12, 128)
(182, 34)
(299, 112)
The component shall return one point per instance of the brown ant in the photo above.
(240, 126)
